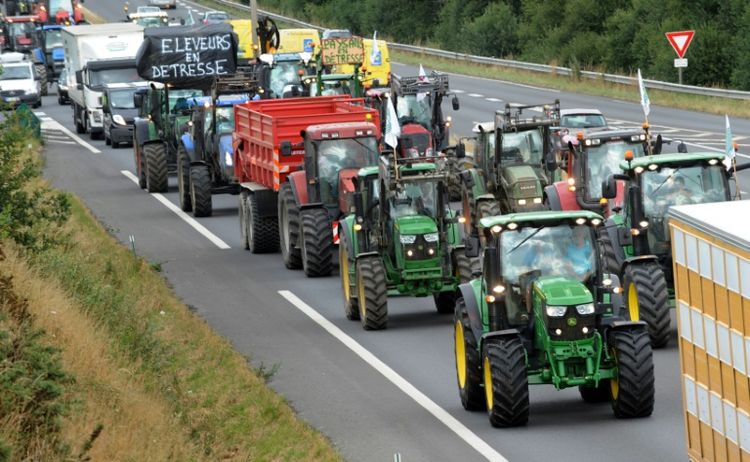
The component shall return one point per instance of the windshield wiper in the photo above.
(365, 146)
(526, 239)
(665, 180)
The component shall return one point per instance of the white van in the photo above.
(18, 81)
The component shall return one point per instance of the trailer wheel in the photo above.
(468, 361)
(506, 383)
(647, 299)
(262, 232)
(601, 393)
(351, 307)
(183, 179)
(78, 120)
(156, 167)
(289, 228)
(242, 211)
(200, 190)
(372, 293)
(317, 242)
(633, 389)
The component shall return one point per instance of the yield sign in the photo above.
(680, 41)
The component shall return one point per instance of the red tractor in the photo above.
(65, 12)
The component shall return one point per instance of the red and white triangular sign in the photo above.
(680, 41)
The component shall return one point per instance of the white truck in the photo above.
(96, 55)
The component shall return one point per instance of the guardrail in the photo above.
(613, 78)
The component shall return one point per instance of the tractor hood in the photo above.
(415, 224)
(562, 291)
(523, 181)
(58, 54)
(346, 188)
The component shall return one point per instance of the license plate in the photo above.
(13, 99)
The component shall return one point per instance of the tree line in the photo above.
(615, 36)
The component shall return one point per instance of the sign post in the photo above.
(680, 41)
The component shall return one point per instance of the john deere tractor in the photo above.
(402, 239)
(515, 161)
(544, 312)
(640, 230)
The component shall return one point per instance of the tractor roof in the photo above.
(541, 218)
(419, 167)
(341, 130)
(633, 135)
(368, 171)
(672, 160)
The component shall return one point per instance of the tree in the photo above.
(494, 33)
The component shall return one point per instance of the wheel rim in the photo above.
(460, 354)
(487, 382)
(614, 383)
(362, 298)
(344, 270)
(633, 303)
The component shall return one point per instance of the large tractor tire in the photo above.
(445, 302)
(468, 361)
(140, 164)
(647, 299)
(372, 293)
(156, 167)
(506, 383)
(633, 390)
(601, 393)
(183, 179)
(351, 307)
(200, 191)
(289, 228)
(41, 70)
(78, 120)
(464, 266)
(262, 232)
(317, 242)
(610, 262)
(242, 211)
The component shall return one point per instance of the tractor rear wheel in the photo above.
(609, 253)
(317, 242)
(200, 191)
(140, 164)
(633, 389)
(599, 394)
(468, 361)
(156, 167)
(262, 232)
(463, 266)
(506, 383)
(445, 302)
(183, 179)
(289, 228)
(351, 307)
(372, 293)
(647, 299)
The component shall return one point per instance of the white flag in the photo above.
(376, 58)
(392, 128)
(422, 74)
(729, 145)
(644, 96)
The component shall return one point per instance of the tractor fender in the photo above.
(625, 325)
(471, 298)
(189, 145)
(39, 56)
(499, 334)
(298, 182)
(560, 197)
(345, 230)
(367, 254)
(141, 131)
(639, 259)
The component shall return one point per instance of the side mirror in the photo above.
(682, 147)
(138, 100)
(609, 187)
(454, 103)
(286, 148)
(550, 163)
(460, 151)
(79, 76)
(468, 179)
(100, 100)
(472, 246)
(658, 145)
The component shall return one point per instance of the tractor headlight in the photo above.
(228, 158)
(556, 311)
(430, 237)
(586, 308)
(408, 238)
(117, 118)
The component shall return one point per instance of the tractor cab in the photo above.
(280, 75)
(415, 142)
(333, 84)
(22, 36)
(62, 12)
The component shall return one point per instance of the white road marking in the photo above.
(185, 217)
(60, 141)
(48, 123)
(458, 91)
(475, 95)
(438, 412)
(39, 113)
(494, 100)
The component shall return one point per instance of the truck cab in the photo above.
(94, 77)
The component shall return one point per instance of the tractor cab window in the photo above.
(420, 145)
(53, 39)
(524, 147)
(415, 198)
(338, 154)
(603, 160)
(415, 109)
(284, 74)
(225, 119)
(122, 99)
(22, 33)
(178, 99)
(333, 88)
(562, 250)
(56, 6)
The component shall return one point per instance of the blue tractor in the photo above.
(49, 54)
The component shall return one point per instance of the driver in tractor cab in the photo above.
(578, 252)
(334, 156)
(678, 193)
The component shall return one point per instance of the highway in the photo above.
(374, 394)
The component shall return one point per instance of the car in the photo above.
(582, 119)
(214, 17)
(336, 33)
(148, 9)
(152, 19)
(62, 88)
(19, 81)
(165, 4)
(119, 111)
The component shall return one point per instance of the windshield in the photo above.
(420, 145)
(151, 21)
(148, 9)
(283, 74)
(224, 119)
(122, 99)
(216, 17)
(22, 32)
(57, 5)
(53, 39)
(16, 72)
(339, 87)
(338, 154)
(603, 160)
(415, 108)
(416, 198)
(562, 250)
(583, 121)
(522, 147)
(178, 99)
(103, 77)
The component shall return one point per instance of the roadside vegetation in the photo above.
(99, 360)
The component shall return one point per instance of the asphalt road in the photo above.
(373, 393)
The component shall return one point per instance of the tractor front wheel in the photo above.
(372, 293)
(506, 383)
(156, 167)
(468, 361)
(647, 299)
(289, 228)
(317, 242)
(183, 179)
(633, 389)
(351, 307)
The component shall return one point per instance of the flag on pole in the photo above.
(729, 145)
(376, 58)
(645, 102)
(392, 128)
(422, 74)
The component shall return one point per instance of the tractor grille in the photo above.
(526, 189)
(571, 325)
(420, 249)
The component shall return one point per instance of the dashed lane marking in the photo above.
(184, 216)
(475, 95)
(48, 123)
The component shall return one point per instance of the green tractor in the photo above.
(322, 83)
(163, 113)
(544, 312)
(515, 161)
(402, 239)
(639, 228)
